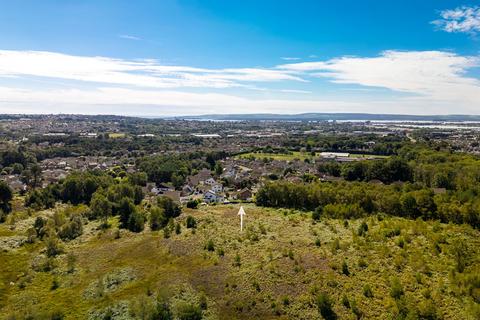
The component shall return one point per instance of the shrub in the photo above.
(72, 228)
(6, 196)
(367, 291)
(136, 222)
(162, 311)
(187, 311)
(71, 260)
(125, 210)
(55, 284)
(210, 246)
(362, 229)
(461, 255)
(396, 289)
(325, 305)
(345, 270)
(157, 218)
(236, 261)
(192, 204)
(362, 263)
(317, 214)
(191, 222)
(170, 207)
(178, 228)
(53, 247)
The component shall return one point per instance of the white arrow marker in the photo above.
(241, 213)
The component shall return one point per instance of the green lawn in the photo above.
(298, 155)
(282, 157)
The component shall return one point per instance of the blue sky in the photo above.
(194, 57)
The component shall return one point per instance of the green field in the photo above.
(280, 267)
(297, 155)
(116, 135)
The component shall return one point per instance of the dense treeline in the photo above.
(357, 199)
(388, 145)
(387, 171)
(419, 173)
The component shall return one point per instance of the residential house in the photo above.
(211, 196)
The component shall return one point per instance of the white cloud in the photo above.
(290, 58)
(155, 103)
(129, 37)
(462, 19)
(430, 82)
(295, 91)
(141, 73)
(433, 74)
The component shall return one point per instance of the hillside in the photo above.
(283, 266)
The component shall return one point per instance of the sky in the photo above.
(187, 57)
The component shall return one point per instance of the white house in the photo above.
(217, 187)
(211, 196)
(210, 181)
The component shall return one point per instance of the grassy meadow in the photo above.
(297, 155)
(282, 266)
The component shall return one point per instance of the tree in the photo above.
(218, 168)
(72, 228)
(17, 168)
(26, 177)
(138, 178)
(36, 175)
(6, 196)
(136, 222)
(178, 180)
(170, 207)
(125, 209)
(101, 207)
(157, 218)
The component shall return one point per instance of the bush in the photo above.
(162, 311)
(125, 209)
(191, 222)
(325, 305)
(187, 311)
(345, 301)
(73, 228)
(178, 228)
(157, 218)
(367, 291)
(6, 195)
(192, 204)
(396, 289)
(362, 229)
(461, 255)
(136, 222)
(317, 214)
(53, 247)
(170, 207)
(236, 261)
(345, 270)
(210, 246)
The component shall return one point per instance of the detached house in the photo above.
(210, 196)
(217, 187)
